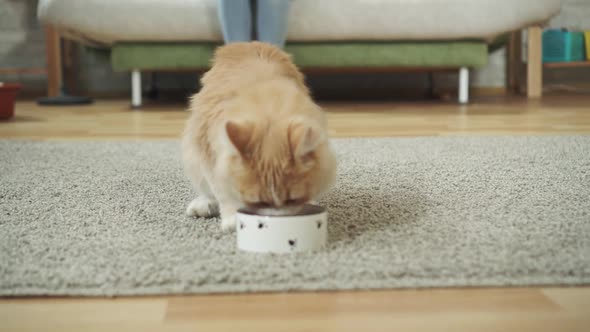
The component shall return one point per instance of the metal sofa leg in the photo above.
(463, 85)
(136, 88)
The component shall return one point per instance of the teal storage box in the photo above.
(563, 46)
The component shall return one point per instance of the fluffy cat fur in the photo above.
(255, 138)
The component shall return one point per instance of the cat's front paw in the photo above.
(228, 223)
(202, 207)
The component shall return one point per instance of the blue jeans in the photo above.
(236, 18)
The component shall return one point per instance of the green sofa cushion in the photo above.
(161, 56)
(426, 54)
(174, 56)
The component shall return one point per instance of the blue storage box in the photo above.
(563, 46)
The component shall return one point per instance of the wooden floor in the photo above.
(478, 309)
(485, 116)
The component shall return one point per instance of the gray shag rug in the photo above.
(107, 218)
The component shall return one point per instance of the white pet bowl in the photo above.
(305, 231)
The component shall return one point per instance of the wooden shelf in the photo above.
(566, 64)
(23, 71)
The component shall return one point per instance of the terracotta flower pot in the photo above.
(7, 96)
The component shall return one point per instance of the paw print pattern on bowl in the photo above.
(306, 231)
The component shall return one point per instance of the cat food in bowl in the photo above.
(304, 231)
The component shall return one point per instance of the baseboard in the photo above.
(488, 91)
(379, 94)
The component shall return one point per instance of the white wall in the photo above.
(21, 40)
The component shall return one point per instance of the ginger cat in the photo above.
(255, 138)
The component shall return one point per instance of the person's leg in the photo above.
(235, 17)
(271, 21)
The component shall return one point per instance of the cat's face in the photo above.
(279, 167)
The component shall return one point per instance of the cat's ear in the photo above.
(304, 139)
(240, 134)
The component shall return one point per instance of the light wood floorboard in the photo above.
(487, 116)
